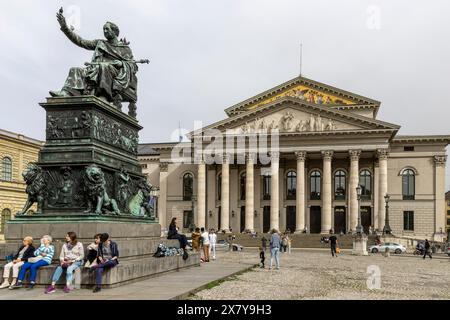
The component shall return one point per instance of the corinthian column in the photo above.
(225, 196)
(249, 192)
(300, 196)
(274, 194)
(353, 183)
(326, 199)
(201, 192)
(382, 185)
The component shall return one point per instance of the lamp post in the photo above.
(387, 227)
(359, 227)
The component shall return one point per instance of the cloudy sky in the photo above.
(208, 55)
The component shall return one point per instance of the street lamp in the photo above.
(359, 227)
(387, 228)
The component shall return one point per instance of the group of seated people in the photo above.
(102, 254)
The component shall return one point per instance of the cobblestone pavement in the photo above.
(316, 275)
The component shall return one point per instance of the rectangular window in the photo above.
(408, 148)
(448, 222)
(448, 212)
(408, 220)
(144, 166)
(188, 219)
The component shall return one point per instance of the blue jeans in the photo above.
(33, 270)
(69, 272)
(100, 268)
(275, 253)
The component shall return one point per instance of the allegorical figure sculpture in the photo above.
(95, 188)
(111, 75)
(142, 203)
(36, 188)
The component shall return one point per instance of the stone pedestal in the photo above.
(88, 180)
(360, 245)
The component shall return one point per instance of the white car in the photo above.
(393, 247)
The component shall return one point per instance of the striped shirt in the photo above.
(49, 251)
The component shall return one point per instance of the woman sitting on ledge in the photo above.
(43, 257)
(70, 259)
(25, 251)
(173, 234)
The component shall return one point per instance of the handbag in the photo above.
(35, 259)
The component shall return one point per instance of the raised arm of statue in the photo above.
(86, 44)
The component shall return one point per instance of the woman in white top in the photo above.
(71, 258)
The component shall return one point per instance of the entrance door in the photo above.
(339, 219)
(266, 219)
(366, 218)
(290, 218)
(315, 219)
(242, 218)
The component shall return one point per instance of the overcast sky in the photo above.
(208, 55)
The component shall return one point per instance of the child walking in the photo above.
(262, 257)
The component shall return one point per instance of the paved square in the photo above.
(306, 274)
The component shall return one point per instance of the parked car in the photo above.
(393, 247)
(221, 245)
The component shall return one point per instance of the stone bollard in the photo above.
(387, 254)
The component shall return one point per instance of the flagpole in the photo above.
(301, 56)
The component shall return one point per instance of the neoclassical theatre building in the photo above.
(329, 142)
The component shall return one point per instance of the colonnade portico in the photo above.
(301, 195)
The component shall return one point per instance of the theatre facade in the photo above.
(322, 143)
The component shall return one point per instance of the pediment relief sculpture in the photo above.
(290, 123)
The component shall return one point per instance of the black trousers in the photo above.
(333, 250)
(181, 238)
(427, 252)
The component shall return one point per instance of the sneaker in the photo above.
(31, 286)
(97, 289)
(50, 289)
(18, 285)
(67, 289)
(5, 284)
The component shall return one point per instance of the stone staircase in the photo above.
(297, 240)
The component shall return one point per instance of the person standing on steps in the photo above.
(427, 250)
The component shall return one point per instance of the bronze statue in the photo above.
(36, 188)
(111, 75)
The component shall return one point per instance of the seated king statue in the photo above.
(111, 75)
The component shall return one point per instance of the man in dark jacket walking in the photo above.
(427, 250)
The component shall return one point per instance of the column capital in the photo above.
(383, 154)
(439, 161)
(327, 154)
(163, 167)
(225, 157)
(250, 157)
(300, 155)
(274, 155)
(354, 154)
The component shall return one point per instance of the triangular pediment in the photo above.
(307, 90)
(294, 115)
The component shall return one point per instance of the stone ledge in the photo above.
(127, 271)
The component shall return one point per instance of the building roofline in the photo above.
(21, 138)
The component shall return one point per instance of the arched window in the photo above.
(188, 186)
(6, 215)
(242, 186)
(219, 187)
(340, 182)
(266, 186)
(408, 184)
(291, 185)
(6, 169)
(315, 185)
(365, 181)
